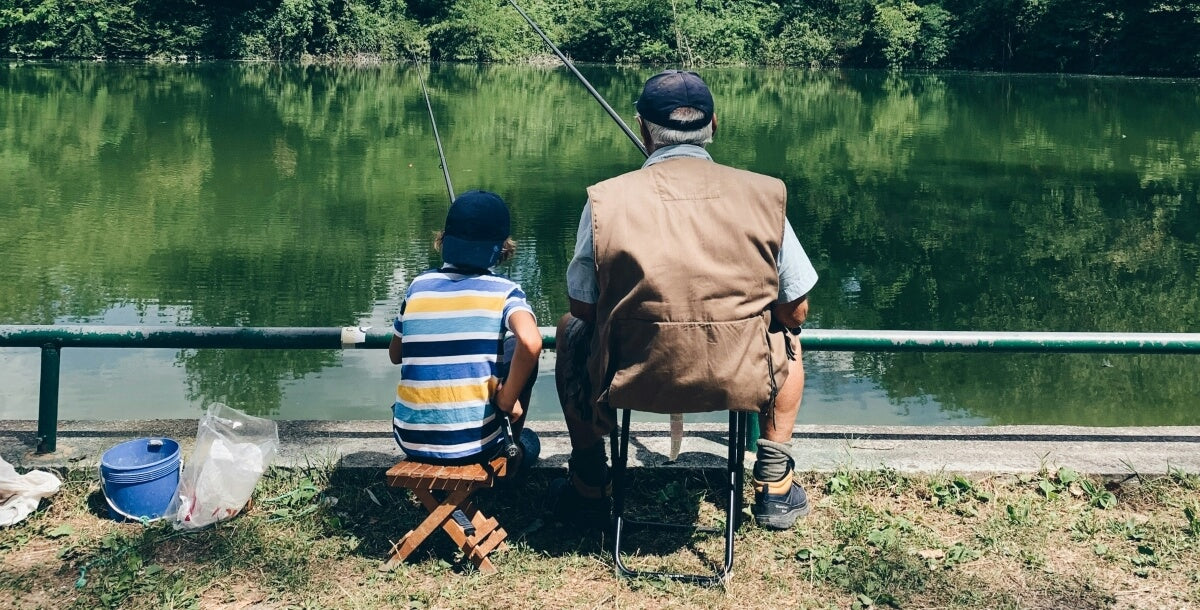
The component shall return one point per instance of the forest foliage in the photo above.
(1152, 37)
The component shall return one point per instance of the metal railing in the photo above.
(52, 339)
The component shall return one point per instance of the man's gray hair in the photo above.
(665, 136)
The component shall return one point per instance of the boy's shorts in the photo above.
(574, 385)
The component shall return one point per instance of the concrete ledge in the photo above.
(959, 449)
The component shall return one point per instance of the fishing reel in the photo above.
(510, 448)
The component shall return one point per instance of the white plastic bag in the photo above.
(20, 493)
(232, 452)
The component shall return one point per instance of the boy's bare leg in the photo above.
(518, 424)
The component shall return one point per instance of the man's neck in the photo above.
(677, 151)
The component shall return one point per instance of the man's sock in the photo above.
(773, 467)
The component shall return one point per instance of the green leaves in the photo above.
(1105, 36)
(1098, 496)
(1019, 513)
(883, 538)
(1067, 481)
(838, 484)
(1048, 489)
(959, 493)
(296, 503)
(960, 553)
(1192, 513)
(60, 531)
(822, 560)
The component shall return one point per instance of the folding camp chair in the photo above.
(475, 533)
(733, 504)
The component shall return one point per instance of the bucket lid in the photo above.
(131, 455)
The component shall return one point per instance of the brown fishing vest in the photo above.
(686, 255)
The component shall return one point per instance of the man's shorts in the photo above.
(574, 385)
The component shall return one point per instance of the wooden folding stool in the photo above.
(476, 534)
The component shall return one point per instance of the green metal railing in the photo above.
(52, 339)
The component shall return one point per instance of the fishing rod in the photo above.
(510, 446)
(676, 429)
(437, 138)
(570, 66)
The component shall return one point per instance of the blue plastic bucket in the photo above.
(139, 477)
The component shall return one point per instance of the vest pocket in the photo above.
(692, 367)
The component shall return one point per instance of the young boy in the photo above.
(458, 377)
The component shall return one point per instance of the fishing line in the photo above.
(570, 66)
(436, 137)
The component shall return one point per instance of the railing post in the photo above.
(47, 432)
(752, 432)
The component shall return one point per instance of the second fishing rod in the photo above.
(633, 137)
(510, 446)
(436, 137)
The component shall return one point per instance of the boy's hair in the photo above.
(506, 251)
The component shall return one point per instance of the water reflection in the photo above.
(269, 195)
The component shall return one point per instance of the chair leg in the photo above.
(620, 455)
(735, 465)
(438, 513)
(488, 536)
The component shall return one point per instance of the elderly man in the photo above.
(686, 288)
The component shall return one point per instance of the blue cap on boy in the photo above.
(476, 227)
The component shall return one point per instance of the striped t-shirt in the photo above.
(451, 326)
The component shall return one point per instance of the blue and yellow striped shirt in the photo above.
(451, 327)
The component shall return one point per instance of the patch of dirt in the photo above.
(237, 596)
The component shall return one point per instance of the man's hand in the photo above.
(583, 311)
(793, 314)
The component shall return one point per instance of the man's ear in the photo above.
(714, 123)
(645, 132)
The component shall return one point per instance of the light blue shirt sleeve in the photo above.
(514, 302)
(581, 271)
(796, 273)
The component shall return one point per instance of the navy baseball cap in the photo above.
(672, 89)
(476, 227)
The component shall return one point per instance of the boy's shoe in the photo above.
(531, 450)
(778, 505)
(569, 507)
(528, 452)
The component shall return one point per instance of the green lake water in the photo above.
(272, 195)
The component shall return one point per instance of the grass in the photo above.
(313, 538)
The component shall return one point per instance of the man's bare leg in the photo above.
(580, 428)
(778, 499)
(778, 427)
(587, 429)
